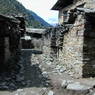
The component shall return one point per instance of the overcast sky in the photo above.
(42, 8)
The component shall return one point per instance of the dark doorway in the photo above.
(89, 47)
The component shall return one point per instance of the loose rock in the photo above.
(77, 86)
(65, 83)
(50, 92)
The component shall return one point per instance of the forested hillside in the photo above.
(13, 7)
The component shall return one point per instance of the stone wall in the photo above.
(72, 54)
(78, 51)
(2, 52)
(90, 4)
(9, 44)
(7, 51)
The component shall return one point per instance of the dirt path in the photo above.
(43, 78)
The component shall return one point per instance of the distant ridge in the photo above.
(14, 7)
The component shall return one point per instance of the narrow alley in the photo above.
(53, 60)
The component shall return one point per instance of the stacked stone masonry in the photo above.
(9, 42)
(73, 47)
(78, 49)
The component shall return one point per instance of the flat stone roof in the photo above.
(8, 18)
(33, 30)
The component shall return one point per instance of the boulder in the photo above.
(65, 83)
(77, 86)
(50, 92)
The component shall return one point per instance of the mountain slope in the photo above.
(39, 18)
(14, 7)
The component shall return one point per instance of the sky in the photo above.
(43, 9)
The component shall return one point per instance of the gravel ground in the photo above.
(42, 75)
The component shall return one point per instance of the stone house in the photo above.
(21, 25)
(9, 41)
(34, 39)
(77, 21)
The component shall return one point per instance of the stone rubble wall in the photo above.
(78, 43)
(2, 53)
(7, 51)
(9, 45)
(72, 54)
(90, 4)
